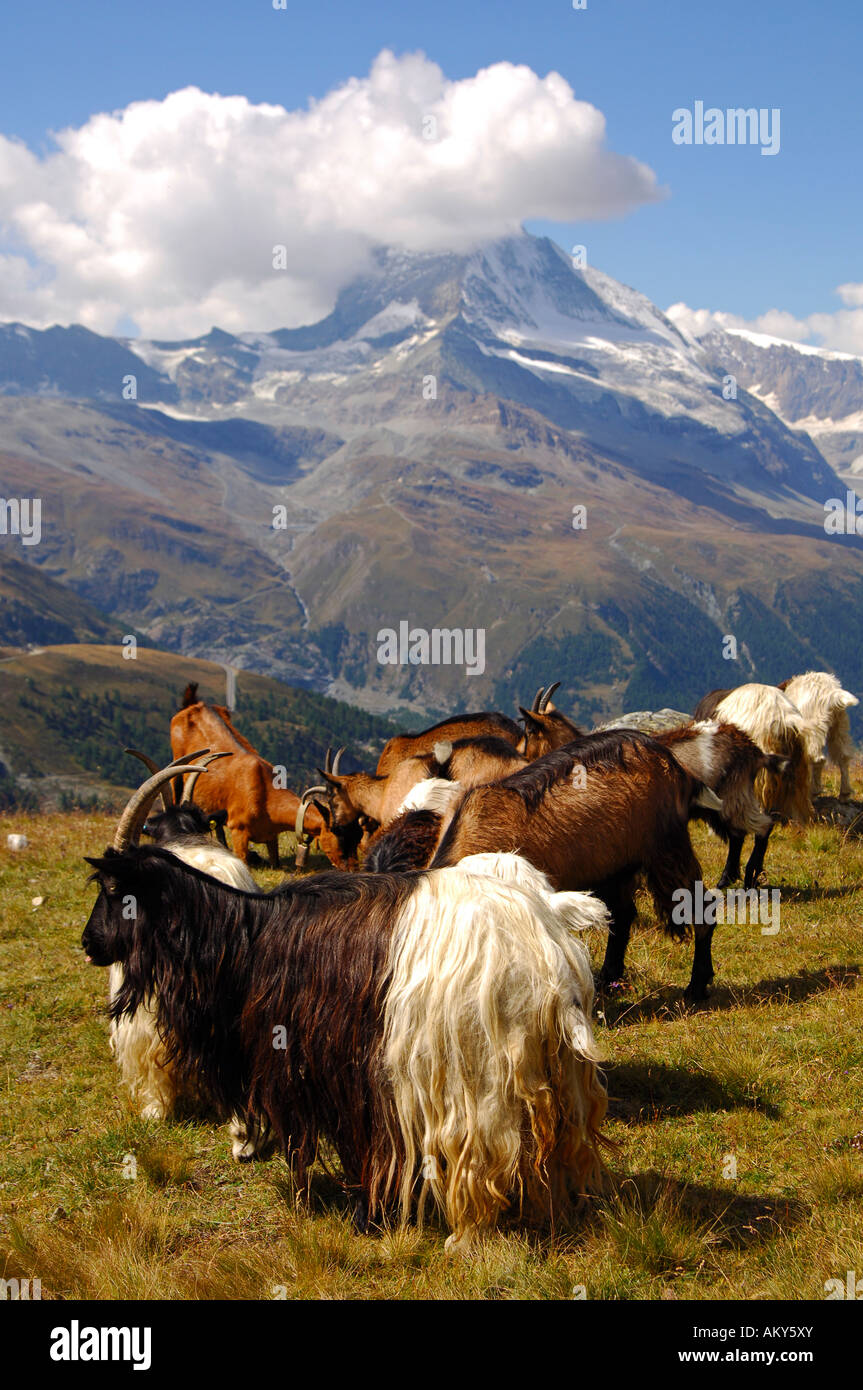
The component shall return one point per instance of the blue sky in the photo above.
(739, 231)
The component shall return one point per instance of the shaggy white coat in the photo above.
(488, 1045)
(776, 725)
(824, 705)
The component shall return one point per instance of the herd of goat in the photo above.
(428, 1016)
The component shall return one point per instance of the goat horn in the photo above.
(179, 762)
(328, 761)
(189, 789)
(536, 700)
(305, 799)
(154, 767)
(138, 806)
(334, 770)
(543, 704)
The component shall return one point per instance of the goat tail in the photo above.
(488, 1048)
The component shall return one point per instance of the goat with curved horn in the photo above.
(304, 839)
(546, 698)
(137, 807)
(154, 768)
(537, 700)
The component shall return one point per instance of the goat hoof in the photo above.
(605, 983)
(726, 880)
(697, 994)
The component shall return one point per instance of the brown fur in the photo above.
(375, 799)
(546, 730)
(627, 815)
(706, 707)
(242, 785)
(459, 726)
(473, 761)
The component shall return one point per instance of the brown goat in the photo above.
(721, 756)
(545, 730)
(472, 761)
(366, 796)
(409, 839)
(242, 785)
(412, 837)
(596, 814)
(459, 726)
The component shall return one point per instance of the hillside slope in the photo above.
(69, 711)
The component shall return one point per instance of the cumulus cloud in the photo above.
(168, 211)
(839, 331)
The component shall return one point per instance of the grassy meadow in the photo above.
(739, 1172)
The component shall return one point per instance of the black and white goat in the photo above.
(433, 1027)
(142, 1055)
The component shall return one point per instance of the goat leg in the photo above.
(755, 862)
(620, 902)
(731, 872)
(702, 963)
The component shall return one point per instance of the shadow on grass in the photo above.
(668, 1001)
(814, 893)
(642, 1092)
(735, 1221)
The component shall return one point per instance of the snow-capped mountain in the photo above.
(426, 446)
(812, 389)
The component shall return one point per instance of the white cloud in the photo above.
(838, 331)
(168, 210)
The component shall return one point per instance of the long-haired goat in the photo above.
(596, 814)
(433, 1027)
(142, 1055)
(776, 725)
(245, 786)
(824, 705)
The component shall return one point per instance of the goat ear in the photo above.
(323, 809)
(106, 864)
(530, 722)
(329, 778)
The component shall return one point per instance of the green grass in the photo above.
(764, 1081)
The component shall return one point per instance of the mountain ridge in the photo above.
(425, 447)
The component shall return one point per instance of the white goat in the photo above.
(824, 705)
(776, 725)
